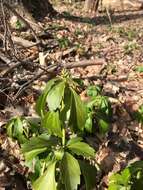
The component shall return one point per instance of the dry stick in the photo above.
(28, 83)
(24, 43)
(21, 42)
(84, 63)
(8, 62)
(5, 59)
(54, 67)
(21, 18)
(8, 97)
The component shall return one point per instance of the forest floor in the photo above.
(73, 37)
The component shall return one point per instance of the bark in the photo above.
(39, 8)
(36, 9)
(91, 5)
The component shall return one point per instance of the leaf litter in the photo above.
(120, 45)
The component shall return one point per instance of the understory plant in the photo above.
(131, 178)
(99, 111)
(54, 150)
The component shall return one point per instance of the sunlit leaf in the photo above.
(41, 102)
(39, 142)
(81, 148)
(47, 180)
(51, 121)
(55, 96)
(70, 172)
(33, 153)
(78, 113)
(74, 140)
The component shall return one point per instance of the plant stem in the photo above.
(43, 168)
(63, 137)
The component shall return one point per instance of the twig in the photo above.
(55, 67)
(5, 59)
(21, 42)
(84, 63)
(28, 83)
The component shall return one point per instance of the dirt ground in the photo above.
(120, 45)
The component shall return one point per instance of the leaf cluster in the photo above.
(54, 150)
(131, 178)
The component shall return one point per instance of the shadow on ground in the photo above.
(103, 19)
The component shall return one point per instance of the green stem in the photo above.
(63, 137)
(43, 168)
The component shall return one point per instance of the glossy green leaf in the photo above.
(52, 122)
(70, 171)
(74, 140)
(81, 148)
(55, 96)
(120, 181)
(33, 153)
(78, 112)
(47, 180)
(89, 173)
(41, 102)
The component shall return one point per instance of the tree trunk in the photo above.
(36, 9)
(91, 5)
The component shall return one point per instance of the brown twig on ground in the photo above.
(21, 42)
(84, 63)
(57, 68)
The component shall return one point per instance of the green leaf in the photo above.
(47, 180)
(93, 90)
(32, 154)
(81, 148)
(103, 126)
(78, 113)
(36, 166)
(70, 171)
(18, 129)
(120, 181)
(139, 69)
(9, 127)
(88, 124)
(138, 115)
(41, 102)
(15, 129)
(74, 140)
(89, 173)
(126, 175)
(100, 103)
(52, 122)
(64, 116)
(39, 142)
(55, 96)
